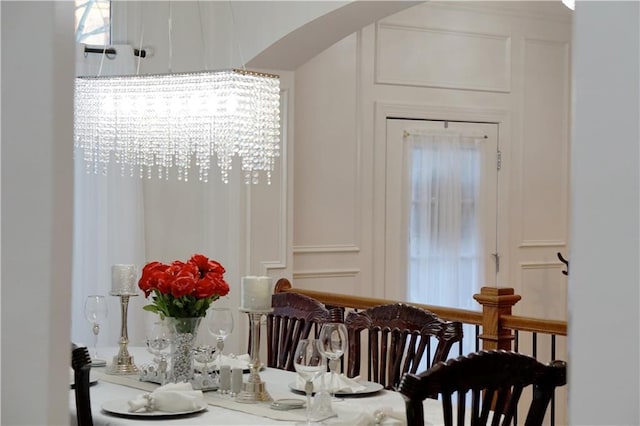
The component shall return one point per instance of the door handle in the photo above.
(565, 261)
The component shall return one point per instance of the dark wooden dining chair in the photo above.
(495, 379)
(294, 317)
(81, 364)
(399, 337)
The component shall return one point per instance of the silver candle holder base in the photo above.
(254, 389)
(123, 362)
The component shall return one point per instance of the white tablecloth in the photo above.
(223, 410)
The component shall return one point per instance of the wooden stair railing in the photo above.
(498, 324)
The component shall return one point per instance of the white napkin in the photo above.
(170, 398)
(349, 414)
(342, 384)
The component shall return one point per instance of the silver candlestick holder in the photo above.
(123, 362)
(254, 389)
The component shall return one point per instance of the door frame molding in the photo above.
(384, 110)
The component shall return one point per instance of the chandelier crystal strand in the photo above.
(178, 120)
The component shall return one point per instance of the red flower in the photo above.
(178, 286)
(206, 265)
(152, 275)
(182, 286)
(221, 286)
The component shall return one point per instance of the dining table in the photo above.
(371, 407)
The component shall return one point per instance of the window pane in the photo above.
(93, 22)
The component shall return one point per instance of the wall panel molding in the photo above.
(541, 265)
(544, 146)
(311, 249)
(504, 9)
(433, 57)
(267, 267)
(276, 247)
(326, 273)
(542, 243)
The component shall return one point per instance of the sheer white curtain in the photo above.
(108, 222)
(444, 245)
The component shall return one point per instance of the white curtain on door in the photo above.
(108, 223)
(444, 248)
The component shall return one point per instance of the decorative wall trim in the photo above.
(281, 253)
(284, 181)
(347, 248)
(386, 110)
(493, 76)
(267, 267)
(327, 273)
(541, 265)
(498, 8)
(542, 243)
(563, 183)
(359, 182)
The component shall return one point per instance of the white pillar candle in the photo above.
(255, 293)
(123, 279)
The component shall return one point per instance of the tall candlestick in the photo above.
(254, 389)
(255, 293)
(123, 280)
(123, 362)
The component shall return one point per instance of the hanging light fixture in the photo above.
(147, 122)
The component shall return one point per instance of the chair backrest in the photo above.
(399, 337)
(495, 380)
(81, 364)
(294, 317)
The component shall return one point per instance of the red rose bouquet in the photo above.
(183, 290)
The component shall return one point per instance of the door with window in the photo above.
(441, 211)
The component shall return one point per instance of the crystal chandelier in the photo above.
(151, 123)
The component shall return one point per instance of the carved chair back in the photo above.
(398, 338)
(294, 317)
(495, 381)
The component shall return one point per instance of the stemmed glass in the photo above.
(220, 325)
(159, 342)
(309, 364)
(95, 311)
(332, 343)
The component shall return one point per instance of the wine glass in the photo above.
(309, 364)
(220, 325)
(95, 311)
(332, 343)
(159, 342)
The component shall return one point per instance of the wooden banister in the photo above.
(534, 325)
(359, 302)
(496, 319)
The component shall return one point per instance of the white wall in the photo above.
(499, 62)
(596, 226)
(37, 210)
(604, 324)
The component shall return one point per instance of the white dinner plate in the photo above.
(369, 387)
(121, 407)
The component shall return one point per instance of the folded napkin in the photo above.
(170, 398)
(233, 361)
(358, 415)
(341, 384)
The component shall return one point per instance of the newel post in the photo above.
(282, 285)
(496, 301)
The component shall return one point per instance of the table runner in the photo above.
(212, 398)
